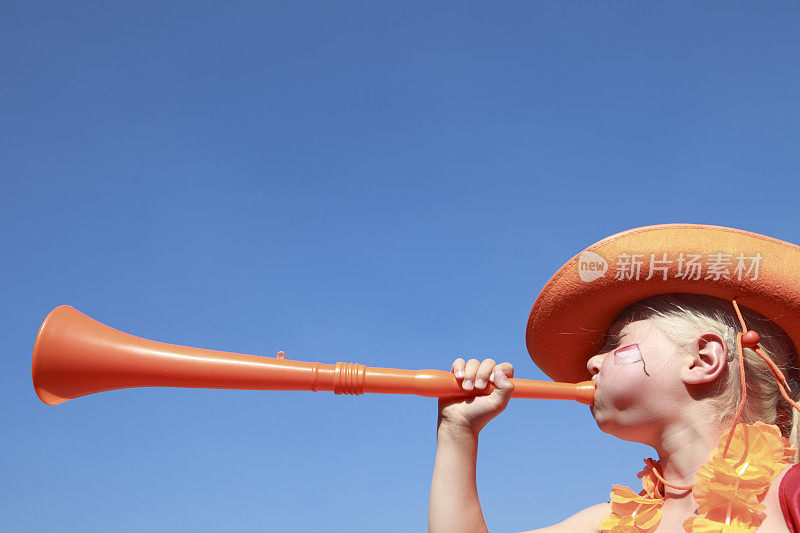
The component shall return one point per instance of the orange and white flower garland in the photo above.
(728, 488)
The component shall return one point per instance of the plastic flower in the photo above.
(631, 512)
(735, 484)
(763, 444)
(698, 524)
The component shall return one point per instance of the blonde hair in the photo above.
(683, 317)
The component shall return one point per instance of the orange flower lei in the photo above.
(728, 489)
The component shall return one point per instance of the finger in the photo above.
(469, 374)
(503, 384)
(458, 367)
(484, 371)
(507, 369)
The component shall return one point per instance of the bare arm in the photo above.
(454, 505)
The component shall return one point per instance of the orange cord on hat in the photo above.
(748, 339)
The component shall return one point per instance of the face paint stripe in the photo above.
(627, 355)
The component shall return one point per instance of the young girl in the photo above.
(668, 355)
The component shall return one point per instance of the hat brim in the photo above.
(571, 314)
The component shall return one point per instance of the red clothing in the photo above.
(789, 497)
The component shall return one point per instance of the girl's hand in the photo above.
(474, 413)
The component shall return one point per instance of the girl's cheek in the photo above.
(624, 376)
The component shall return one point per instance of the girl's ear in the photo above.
(709, 355)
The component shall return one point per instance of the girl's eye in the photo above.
(627, 355)
(612, 343)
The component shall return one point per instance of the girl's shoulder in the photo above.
(584, 521)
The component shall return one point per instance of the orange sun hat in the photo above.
(571, 314)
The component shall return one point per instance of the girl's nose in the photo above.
(593, 364)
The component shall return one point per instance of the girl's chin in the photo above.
(599, 418)
(608, 424)
(630, 433)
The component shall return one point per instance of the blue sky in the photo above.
(383, 183)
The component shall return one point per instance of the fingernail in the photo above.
(499, 377)
(467, 384)
(479, 384)
(459, 373)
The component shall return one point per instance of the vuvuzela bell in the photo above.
(75, 355)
